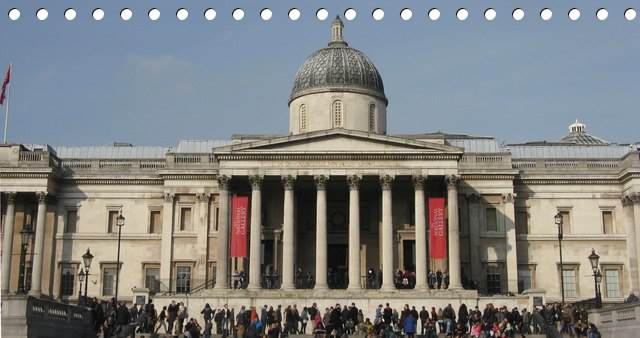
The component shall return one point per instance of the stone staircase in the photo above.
(164, 335)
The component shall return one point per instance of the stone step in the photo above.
(165, 335)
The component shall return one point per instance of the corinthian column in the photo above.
(288, 234)
(166, 243)
(7, 241)
(387, 233)
(256, 232)
(38, 247)
(512, 253)
(454, 232)
(421, 233)
(321, 231)
(222, 265)
(354, 232)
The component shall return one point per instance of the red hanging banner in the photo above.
(239, 224)
(437, 229)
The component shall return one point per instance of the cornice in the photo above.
(31, 175)
(337, 156)
(567, 181)
(189, 177)
(113, 181)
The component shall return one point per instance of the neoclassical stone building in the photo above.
(337, 194)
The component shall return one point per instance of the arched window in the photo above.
(303, 117)
(337, 114)
(372, 117)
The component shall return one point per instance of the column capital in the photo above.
(169, 197)
(452, 181)
(203, 197)
(386, 181)
(354, 181)
(42, 196)
(631, 198)
(508, 198)
(256, 181)
(321, 181)
(223, 182)
(418, 182)
(289, 182)
(11, 197)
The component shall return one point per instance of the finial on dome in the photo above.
(577, 127)
(336, 32)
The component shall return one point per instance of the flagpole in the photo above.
(6, 111)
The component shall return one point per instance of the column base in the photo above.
(421, 288)
(387, 288)
(35, 293)
(354, 288)
(221, 287)
(253, 287)
(287, 287)
(455, 287)
(321, 287)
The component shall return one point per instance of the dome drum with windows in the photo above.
(337, 87)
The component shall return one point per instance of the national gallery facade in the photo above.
(335, 198)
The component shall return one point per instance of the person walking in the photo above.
(409, 325)
(182, 316)
(162, 321)
(207, 313)
(172, 315)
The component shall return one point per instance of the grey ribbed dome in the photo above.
(338, 67)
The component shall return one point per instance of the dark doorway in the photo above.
(337, 266)
(268, 273)
(409, 255)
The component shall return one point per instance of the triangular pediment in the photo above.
(338, 141)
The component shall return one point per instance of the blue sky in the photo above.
(154, 83)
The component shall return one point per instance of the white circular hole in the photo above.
(70, 14)
(97, 14)
(462, 14)
(154, 14)
(434, 14)
(266, 14)
(518, 14)
(322, 14)
(602, 14)
(350, 14)
(406, 14)
(546, 14)
(574, 14)
(490, 14)
(42, 14)
(14, 14)
(377, 14)
(210, 14)
(629, 14)
(238, 14)
(182, 14)
(294, 14)
(126, 14)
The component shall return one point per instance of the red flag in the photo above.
(239, 225)
(437, 229)
(5, 84)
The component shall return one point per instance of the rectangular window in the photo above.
(522, 222)
(491, 219)
(607, 222)
(183, 279)
(152, 278)
(612, 283)
(570, 282)
(217, 218)
(108, 280)
(525, 277)
(113, 215)
(72, 219)
(155, 222)
(566, 221)
(372, 117)
(494, 279)
(67, 279)
(185, 219)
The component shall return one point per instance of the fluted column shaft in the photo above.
(387, 233)
(7, 241)
(38, 247)
(354, 232)
(222, 265)
(256, 232)
(454, 232)
(421, 233)
(321, 232)
(512, 252)
(288, 234)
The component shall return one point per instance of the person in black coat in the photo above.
(463, 316)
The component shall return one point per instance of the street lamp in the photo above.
(597, 276)
(120, 224)
(86, 259)
(81, 276)
(558, 219)
(25, 234)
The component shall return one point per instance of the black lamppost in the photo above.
(81, 276)
(86, 259)
(558, 220)
(120, 224)
(597, 276)
(25, 234)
